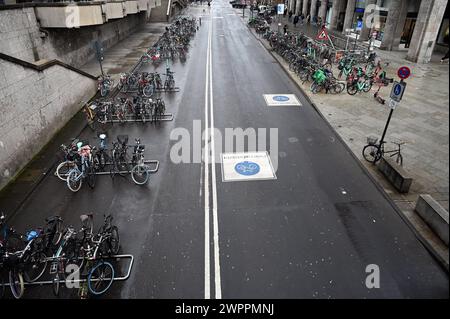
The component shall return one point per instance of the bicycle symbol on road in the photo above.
(280, 98)
(247, 168)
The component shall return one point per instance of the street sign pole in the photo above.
(398, 89)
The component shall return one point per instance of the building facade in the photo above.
(419, 27)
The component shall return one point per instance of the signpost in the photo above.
(398, 89)
(99, 54)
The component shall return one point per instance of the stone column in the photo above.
(391, 25)
(400, 24)
(291, 6)
(323, 9)
(369, 12)
(426, 30)
(313, 10)
(305, 8)
(298, 6)
(349, 14)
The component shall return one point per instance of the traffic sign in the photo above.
(280, 8)
(359, 25)
(322, 35)
(404, 72)
(397, 91)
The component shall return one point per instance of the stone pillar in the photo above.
(323, 9)
(426, 30)
(298, 6)
(335, 10)
(313, 10)
(305, 8)
(391, 25)
(349, 14)
(367, 22)
(292, 4)
(400, 24)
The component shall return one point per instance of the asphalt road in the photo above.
(309, 233)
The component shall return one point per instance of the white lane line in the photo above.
(206, 185)
(218, 287)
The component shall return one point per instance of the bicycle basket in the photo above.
(371, 140)
(122, 139)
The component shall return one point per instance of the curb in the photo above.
(444, 264)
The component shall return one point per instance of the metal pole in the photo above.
(386, 127)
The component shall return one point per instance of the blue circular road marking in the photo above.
(280, 98)
(247, 168)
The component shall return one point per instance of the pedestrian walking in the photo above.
(295, 20)
(285, 29)
(285, 12)
(290, 15)
(200, 20)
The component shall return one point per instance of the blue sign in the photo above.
(247, 168)
(397, 91)
(359, 25)
(280, 98)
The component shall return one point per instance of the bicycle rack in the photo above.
(62, 281)
(156, 162)
(165, 118)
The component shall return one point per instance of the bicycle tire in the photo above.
(114, 241)
(91, 176)
(95, 281)
(74, 177)
(337, 88)
(352, 89)
(16, 283)
(56, 283)
(368, 87)
(371, 153)
(63, 169)
(36, 258)
(140, 170)
(58, 233)
(2, 288)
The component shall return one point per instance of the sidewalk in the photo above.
(123, 56)
(421, 119)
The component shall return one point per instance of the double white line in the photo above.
(210, 149)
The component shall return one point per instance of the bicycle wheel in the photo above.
(352, 89)
(372, 153)
(148, 90)
(2, 288)
(91, 176)
(62, 170)
(337, 88)
(140, 174)
(35, 267)
(122, 165)
(114, 241)
(367, 86)
(100, 278)
(16, 283)
(316, 88)
(56, 283)
(74, 180)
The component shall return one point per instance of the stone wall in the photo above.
(34, 105)
(21, 37)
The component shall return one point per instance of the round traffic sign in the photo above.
(404, 72)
